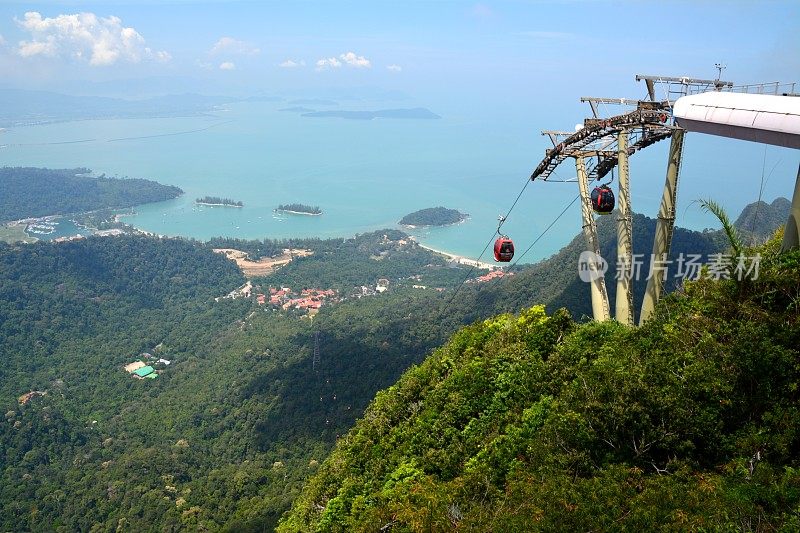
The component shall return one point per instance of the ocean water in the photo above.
(365, 175)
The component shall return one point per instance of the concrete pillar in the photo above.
(624, 301)
(664, 227)
(600, 308)
(791, 234)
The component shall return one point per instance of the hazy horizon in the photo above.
(497, 72)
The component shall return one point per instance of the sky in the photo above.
(488, 51)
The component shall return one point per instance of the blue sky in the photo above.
(488, 50)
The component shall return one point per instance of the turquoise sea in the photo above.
(364, 174)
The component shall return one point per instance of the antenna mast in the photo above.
(720, 67)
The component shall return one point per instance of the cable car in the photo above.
(602, 200)
(503, 249)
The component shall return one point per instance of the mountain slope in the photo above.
(759, 220)
(533, 422)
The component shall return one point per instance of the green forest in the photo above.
(216, 200)
(243, 415)
(233, 425)
(433, 216)
(35, 192)
(531, 422)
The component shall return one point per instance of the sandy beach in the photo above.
(460, 259)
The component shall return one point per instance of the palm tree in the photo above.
(710, 206)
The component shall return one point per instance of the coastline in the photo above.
(461, 260)
(297, 212)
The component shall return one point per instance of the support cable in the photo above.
(499, 225)
(528, 249)
(542, 234)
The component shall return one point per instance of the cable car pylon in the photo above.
(624, 297)
(600, 308)
(664, 228)
(612, 140)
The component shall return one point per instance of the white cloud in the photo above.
(101, 41)
(394, 68)
(349, 58)
(162, 56)
(331, 62)
(229, 45)
(291, 63)
(355, 61)
(2, 40)
(227, 65)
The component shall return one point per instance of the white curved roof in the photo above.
(753, 117)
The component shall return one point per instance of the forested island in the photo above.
(27, 192)
(299, 209)
(217, 201)
(433, 216)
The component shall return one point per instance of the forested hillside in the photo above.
(759, 219)
(35, 192)
(241, 417)
(533, 422)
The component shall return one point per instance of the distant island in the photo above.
(297, 109)
(413, 113)
(217, 201)
(433, 216)
(299, 209)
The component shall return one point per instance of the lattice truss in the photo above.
(645, 122)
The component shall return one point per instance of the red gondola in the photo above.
(503, 249)
(602, 200)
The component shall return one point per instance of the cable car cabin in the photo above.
(503, 249)
(602, 200)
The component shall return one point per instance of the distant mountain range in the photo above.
(32, 107)
(27, 107)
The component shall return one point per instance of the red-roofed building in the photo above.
(494, 274)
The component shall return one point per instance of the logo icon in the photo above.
(591, 266)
